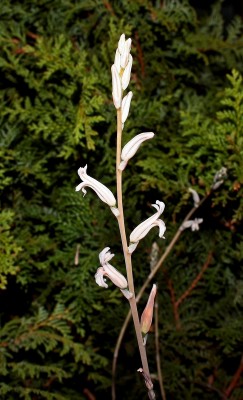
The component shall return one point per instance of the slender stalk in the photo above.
(128, 262)
(146, 283)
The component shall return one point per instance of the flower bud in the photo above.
(126, 106)
(147, 315)
(127, 73)
(116, 87)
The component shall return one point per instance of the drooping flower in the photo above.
(193, 224)
(141, 230)
(126, 101)
(195, 197)
(132, 146)
(147, 315)
(101, 190)
(107, 270)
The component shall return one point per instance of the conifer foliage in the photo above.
(58, 330)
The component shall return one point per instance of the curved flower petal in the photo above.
(99, 278)
(101, 190)
(132, 146)
(105, 256)
(141, 230)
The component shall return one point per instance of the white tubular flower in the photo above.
(132, 146)
(101, 190)
(141, 230)
(121, 43)
(116, 87)
(117, 61)
(195, 197)
(193, 224)
(112, 273)
(127, 73)
(125, 53)
(126, 106)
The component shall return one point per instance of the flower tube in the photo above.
(126, 101)
(132, 146)
(141, 230)
(116, 87)
(112, 273)
(101, 190)
(127, 73)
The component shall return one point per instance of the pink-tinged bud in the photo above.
(127, 73)
(147, 315)
(126, 106)
(116, 87)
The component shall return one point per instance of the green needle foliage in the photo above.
(58, 328)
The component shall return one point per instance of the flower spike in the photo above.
(141, 230)
(132, 146)
(101, 190)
